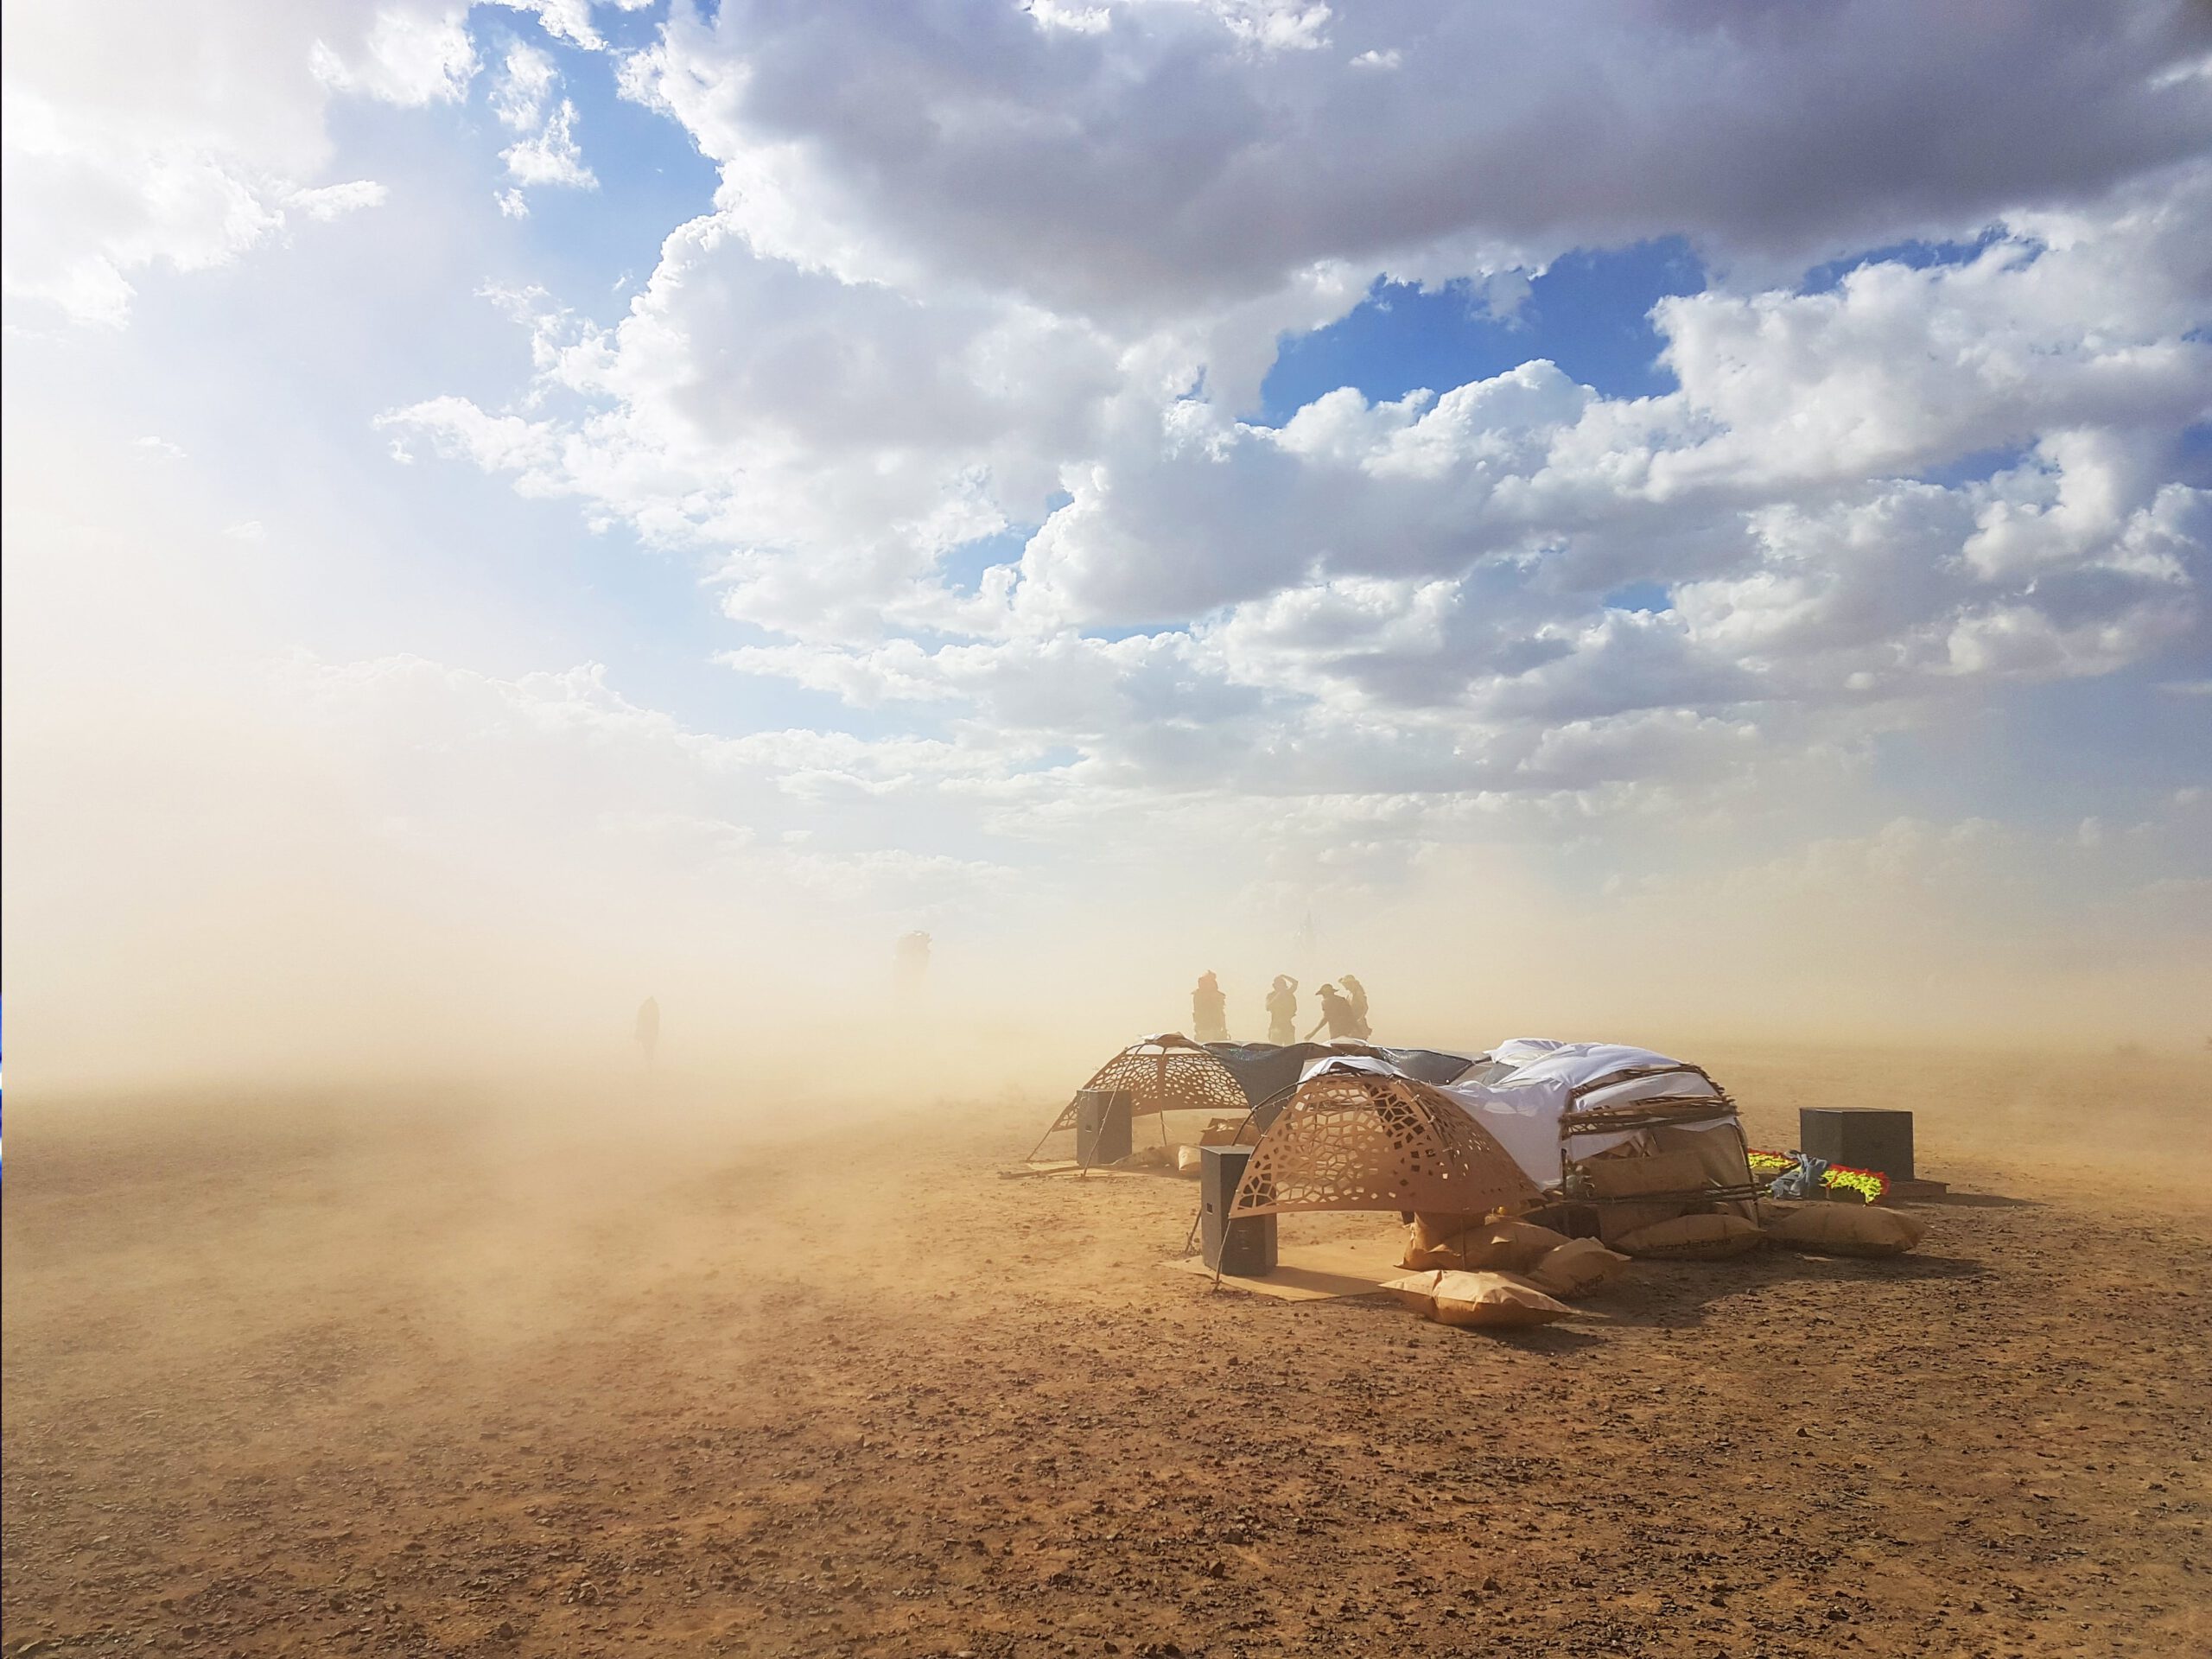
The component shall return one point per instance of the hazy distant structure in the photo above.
(912, 962)
(648, 1031)
(1336, 1014)
(1209, 1010)
(1283, 1011)
(1355, 994)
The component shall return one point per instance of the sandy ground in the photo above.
(378, 1377)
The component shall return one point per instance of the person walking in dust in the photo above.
(1282, 1012)
(913, 958)
(1336, 1014)
(1355, 994)
(648, 1032)
(1209, 1010)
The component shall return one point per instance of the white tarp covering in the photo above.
(1520, 1094)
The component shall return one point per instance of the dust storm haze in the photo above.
(1683, 526)
(231, 861)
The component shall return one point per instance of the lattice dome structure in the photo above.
(1165, 1074)
(1364, 1140)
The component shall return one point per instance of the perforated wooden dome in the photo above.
(1354, 1140)
(1165, 1074)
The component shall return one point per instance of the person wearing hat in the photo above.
(1337, 1015)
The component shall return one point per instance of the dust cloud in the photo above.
(368, 1291)
(232, 861)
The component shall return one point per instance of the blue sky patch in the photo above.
(1917, 255)
(1590, 314)
(1641, 596)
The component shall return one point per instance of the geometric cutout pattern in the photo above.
(1360, 1141)
(1170, 1075)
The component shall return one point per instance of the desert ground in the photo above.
(401, 1374)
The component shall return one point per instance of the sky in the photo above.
(1609, 521)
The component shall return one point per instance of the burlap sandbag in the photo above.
(1473, 1245)
(1694, 1239)
(1490, 1300)
(1848, 1229)
(1576, 1268)
(1616, 1222)
(1633, 1175)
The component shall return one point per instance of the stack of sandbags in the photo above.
(1554, 1263)
(1496, 1301)
(1474, 1244)
(1844, 1228)
(1668, 1178)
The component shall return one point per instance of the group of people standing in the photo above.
(1344, 1011)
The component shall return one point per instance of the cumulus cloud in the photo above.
(1163, 161)
(118, 159)
(1411, 595)
(409, 57)
(525, 98)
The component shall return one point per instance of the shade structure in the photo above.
(1361, 1139)
(1268, 1074)
(1165, 1073)
(1252, 1082)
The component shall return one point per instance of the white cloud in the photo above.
(330, 201)
(524, 88)
(1411, 595)
(980, 149)
(525, 98)
(551, 155)
(188, 142)
(409, 56)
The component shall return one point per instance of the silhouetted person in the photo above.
(1209, 1010)
(1355, 994)
(1282, 1012)
(1336, 1014)
(649, 1028)
(914, 960)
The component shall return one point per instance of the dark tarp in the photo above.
(1268, 1072)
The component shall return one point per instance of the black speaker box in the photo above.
(1865, 1137)
(1102, 1127)
(1247, 1247)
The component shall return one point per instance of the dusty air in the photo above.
(1106, 829)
